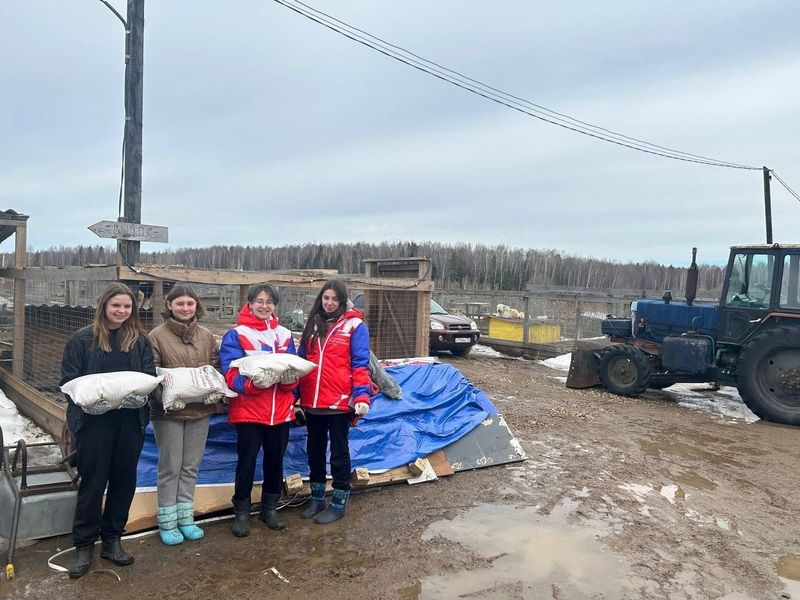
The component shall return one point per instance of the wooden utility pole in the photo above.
(134, 71)
(767, 204)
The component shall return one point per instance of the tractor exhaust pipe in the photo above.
(691, 279)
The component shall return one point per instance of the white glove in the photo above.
(288, 376)
(263, 379)
(361, 408)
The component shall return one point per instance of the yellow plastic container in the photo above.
(539, 332)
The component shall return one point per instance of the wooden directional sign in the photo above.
(117, 230)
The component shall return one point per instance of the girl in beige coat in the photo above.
(181, 434)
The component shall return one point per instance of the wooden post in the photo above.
(134, 70)
(423, 311)
(578, 315)
(20, 262)
(525, 318)
(157, 299)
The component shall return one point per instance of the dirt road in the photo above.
(620, 498)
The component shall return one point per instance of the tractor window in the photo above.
(790, 295)
(751, 281)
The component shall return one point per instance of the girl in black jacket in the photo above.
(109, 444)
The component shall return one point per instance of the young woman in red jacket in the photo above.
(337, 340)
(261, 414)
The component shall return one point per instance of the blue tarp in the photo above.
(439, 406)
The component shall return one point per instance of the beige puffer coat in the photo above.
(177, 344)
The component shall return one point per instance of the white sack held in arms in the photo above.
(192, 385)
(272, 368)
(101, 392)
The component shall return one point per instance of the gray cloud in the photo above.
(264, 128)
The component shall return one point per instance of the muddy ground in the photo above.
(620, 498)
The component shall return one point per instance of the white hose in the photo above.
(134, 536)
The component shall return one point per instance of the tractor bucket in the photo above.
(583, 365)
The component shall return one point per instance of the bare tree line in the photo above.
(459, 266)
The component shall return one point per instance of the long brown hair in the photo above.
(130, 330)
(183, 290)
(318, 320)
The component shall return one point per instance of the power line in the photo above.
(554, 113)
(498, 96)
(784, 184)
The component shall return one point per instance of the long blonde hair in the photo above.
(130, 330)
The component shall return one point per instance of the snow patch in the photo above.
(725, 402)
(639, 491)
(482, 350)
(669, 491)
(559, 363)
(16, 427)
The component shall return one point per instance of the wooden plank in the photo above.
(281, 278)
(599, 295)
(56, 274)
(46, 413)
(391, 476)
(441, 466)
(529, 350)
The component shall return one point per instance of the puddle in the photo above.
(789, 573)
(533, 555)
(789, 567)
(684, 450)
(691, 479)
(411, 592)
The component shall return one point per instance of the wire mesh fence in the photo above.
(397, 318)
(555, 316)
(56, 310)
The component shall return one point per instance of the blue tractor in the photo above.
(751, 340)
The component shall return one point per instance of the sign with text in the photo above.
(118, 230)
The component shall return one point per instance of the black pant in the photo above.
(319, 427)
(250, 438)
(108, 447)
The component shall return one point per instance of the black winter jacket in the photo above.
(80, 358)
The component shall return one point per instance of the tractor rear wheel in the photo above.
(624, 370)
(768, 375)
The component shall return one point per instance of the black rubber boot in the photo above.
(269, 511)
(111, 549)
(337, 508)
(241, 518)
(83, 560)
(316, 503)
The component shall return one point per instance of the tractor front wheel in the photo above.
(768, 375)
(624, 370)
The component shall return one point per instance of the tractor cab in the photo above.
(761, 282)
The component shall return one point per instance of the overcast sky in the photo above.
(262, 127)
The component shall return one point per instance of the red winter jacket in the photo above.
(342, 360)
(268, 406)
